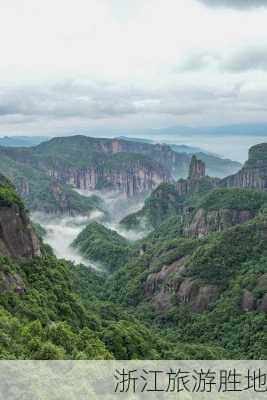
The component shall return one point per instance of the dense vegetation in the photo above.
(237, 199)
(100, 244)
(165, 201)
(8, 196)
(233, 260)
(161, 204)
(52, 309)
(60, 315)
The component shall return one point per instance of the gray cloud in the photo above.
(246, 60)
(236, 4)
(243, 60)
(66, 102)
(93, 101)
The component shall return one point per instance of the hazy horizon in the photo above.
(234, 147)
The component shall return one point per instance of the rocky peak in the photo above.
(197, 168)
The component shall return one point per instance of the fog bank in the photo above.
(118, 206)
(61, 231)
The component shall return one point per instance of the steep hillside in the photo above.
(199, 288)
(50, 309)
(88, 163)
(102, 245)
(222, 208)
(173, 199)
(17, 237)
(41, 193)
(188, 193)
(161, 204)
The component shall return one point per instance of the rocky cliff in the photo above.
(254, 173)
(137, 177)
(88, 163)
(170, 285)
(130, 168)
(17, 237)
(175, 163)
(221, 209)
(205, 222)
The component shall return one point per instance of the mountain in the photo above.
(203, 274)
(172, 199)
(41, 193)
(257, 129)
(216, 165)
(193, 288)
(45, 175)
(88, 163)
(186, 194)
(52, 310)
(22, 141)
(221, 209)
(102, 245)
(176, 147)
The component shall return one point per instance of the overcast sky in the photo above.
(77, 64)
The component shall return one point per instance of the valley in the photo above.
(129, 250)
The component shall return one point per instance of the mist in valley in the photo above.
(61, 231)
(118, 206)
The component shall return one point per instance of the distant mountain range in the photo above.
(141, 134)
(178, 148)
(45, 174)
(22, 141)
(222, 130)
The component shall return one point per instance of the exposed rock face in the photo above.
(254, 173)
(205, 222)
(11, 283)
(23, 187)
(131, 177)
(197, 180)
(161, 153)
(262, 287)
(134, 180)
(170, 283)
(263, 305)
(199, 296)
(197, 169)
(248, 301)
(90, 163)
(17, 238)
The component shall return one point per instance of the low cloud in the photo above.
(236, 4)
